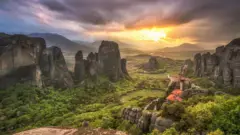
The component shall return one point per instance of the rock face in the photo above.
(19, 60)
(106, 62)
(110, 60)
(197, 64)
(155, 104)
(223, 66)
(124, 68)
(27, 60)
(152, 64)
(79, 68)
(54, 69)
(145, 120)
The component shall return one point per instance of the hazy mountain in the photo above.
(61, 41)
(182, 48)
(125, 48)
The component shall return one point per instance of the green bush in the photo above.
(216, 132)
(210, 114)
(155, 132)
(124, 126)
(170, 131)
(203, 82)
(134, 130)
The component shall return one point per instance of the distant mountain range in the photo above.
(186, 47)
(73, 46)
(61, 41)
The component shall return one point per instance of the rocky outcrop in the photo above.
(145, 120)
(124, 68)
(197, 64)
(54, 69)
(19, 60)
(79, 68)
(27, 60)
(152, 64)
(132, 114)
(162, 124)
(223, 66)
(106, 62)
(110, 60)
(155, 104)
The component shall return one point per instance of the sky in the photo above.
(150, 23)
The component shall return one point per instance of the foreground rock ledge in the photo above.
(70, 131)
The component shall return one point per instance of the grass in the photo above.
(142, 94)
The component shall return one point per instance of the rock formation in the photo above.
(223, 66)
(197, 64)
(152, 64)
(19, 60)
(110, 60)
(145, 120)
(124, 68)
(24, 59)
(54, 69)
(79, 68)
(27, 60)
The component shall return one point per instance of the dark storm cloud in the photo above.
(149, 12)
(222, 16)
(96, 12)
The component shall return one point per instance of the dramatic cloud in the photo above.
(203, 21)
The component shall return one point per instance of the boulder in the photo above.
(163, 123)
(54, 69)
(79, 69)
(110, 60)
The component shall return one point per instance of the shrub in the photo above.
(203, 82)
(216, 132)
(134, 130)
(170, 131)
(154, 132)
(200, 115)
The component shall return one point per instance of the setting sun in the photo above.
(153, 34)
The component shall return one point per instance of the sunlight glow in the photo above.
(153, 34)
